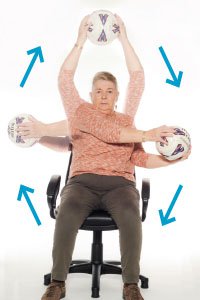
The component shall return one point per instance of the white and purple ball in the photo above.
(178, 145)
(103, 29)
(14, 135)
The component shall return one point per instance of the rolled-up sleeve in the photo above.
(139, 157)
(89, 120)
(134, 92)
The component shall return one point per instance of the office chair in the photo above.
(97, 221)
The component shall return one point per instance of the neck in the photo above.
(109, 112)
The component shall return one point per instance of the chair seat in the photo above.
(99, 220)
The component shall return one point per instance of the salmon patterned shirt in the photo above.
(95, 135)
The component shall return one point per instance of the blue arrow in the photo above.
(165, 219)
(23, 191)
(176, 81)
(37, 52)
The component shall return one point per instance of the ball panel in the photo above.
(104, 28)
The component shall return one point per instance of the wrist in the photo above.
(79, 43)
(44, 130)
(144, 137)
(78, 46)
(123, 39)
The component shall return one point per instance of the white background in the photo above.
(171, 254)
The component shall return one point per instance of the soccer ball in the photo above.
(177, 146)
(103, 29)
(14, 136)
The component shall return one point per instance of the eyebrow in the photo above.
(101, 89)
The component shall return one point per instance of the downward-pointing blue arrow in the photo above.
(37, 52)
(176, 80)
(23, 192)
(165, 219)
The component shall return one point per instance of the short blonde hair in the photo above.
(105, 76)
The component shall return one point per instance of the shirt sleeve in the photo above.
(96, 123)
(134, 92)
(69, 94)
(139, 156)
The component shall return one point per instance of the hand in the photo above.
(32, 129)
(158, 134)
(83, 28)
(122, 29)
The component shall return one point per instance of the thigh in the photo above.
(77, 200)
(122, 203)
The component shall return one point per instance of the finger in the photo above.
(85, 19)
(118, 18)
(163, 140)
(21, 130)
(31, 118)
(167, 134)
(165, 128)
(23, 125)
(24, 134)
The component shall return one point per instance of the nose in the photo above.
(103, 95)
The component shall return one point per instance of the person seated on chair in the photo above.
(106, 147)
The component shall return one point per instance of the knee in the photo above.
(69, 206)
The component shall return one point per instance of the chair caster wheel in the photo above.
(95, 293)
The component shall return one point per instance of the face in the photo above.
(104, 95)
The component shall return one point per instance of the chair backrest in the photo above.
(69, 163)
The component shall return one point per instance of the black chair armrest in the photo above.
(52, 193)
(145, 196)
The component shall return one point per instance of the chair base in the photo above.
(107, 267)
(97, 266)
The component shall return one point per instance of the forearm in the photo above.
(60, 144)
(157, 161)
(71, 61)
(132, 61)
(91, 121)
(56, 129)
(131, 135)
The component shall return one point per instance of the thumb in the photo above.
(31, 118)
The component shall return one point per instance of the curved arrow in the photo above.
(176, 80)
(165, 219)
(37, 53)
(23, 191)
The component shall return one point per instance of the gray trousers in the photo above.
(84, 193)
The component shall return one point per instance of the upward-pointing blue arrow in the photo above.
(23, 191)
(37, 52)
(176, 80)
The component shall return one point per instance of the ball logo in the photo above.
(19, 120)
(103, 18)
(102, 37)
(178, 149)
(116, 28)
(179, 131)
